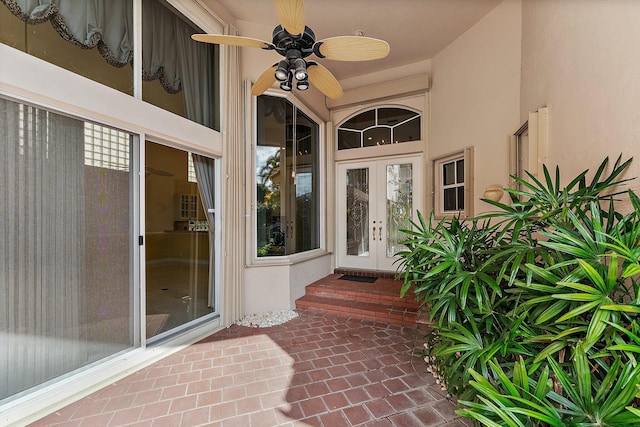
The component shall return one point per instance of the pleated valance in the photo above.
(108, 26)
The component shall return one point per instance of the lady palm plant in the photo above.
(568, 395)
(538, 284)
(446, 265)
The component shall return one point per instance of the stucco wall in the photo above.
(475, 91)
(580, 58)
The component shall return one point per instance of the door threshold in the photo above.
(366, 273)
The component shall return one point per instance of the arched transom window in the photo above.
(379, 126)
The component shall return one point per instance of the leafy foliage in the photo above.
(535, 306)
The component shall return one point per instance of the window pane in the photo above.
(180, 75)
(448, 173)
(381, 126)
(406, 132)
(460, 171)
(68, 300)
(272, 113)
(460, 198)
(107, 44)
(394, 116)
(287, 179)
(377, 136)
(450, 200)
(305, 179)
(361, 121)
(349, 139)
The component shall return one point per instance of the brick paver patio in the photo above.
(315, 370)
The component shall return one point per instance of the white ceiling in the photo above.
(416, 30)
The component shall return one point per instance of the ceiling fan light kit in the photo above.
(295, 41)
(287, 85)
(282, 72)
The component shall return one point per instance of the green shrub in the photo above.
(544, 289)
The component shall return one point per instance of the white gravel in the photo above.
(270, 318)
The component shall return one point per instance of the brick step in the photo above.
(382, 291)
(358, 310)
(379, 301)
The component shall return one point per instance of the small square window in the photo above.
(452, 189)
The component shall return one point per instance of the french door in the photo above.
(377, 199)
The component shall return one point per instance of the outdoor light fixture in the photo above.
(282, 72)
(287, 84)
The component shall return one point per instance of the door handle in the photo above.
(374, 232)
(379, 233)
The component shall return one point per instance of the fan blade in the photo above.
(291, 15)
(322, 79)
(264, 82)
(351, 48)
(232, 40)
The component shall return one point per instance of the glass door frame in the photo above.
(141, 266)
(376, 259)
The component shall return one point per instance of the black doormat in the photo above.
(357, 278)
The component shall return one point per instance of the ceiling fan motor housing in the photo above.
(285, 42)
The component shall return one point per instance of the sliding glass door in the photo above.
(179, 238)
(67, 292)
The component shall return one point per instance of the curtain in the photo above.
(205, 175)
(159, 49)
(197, 73)
(42, 246)
(108, 25)
(233, 199)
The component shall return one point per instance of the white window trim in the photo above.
(537, 130)
(405, 148)
(115, 109)
(437, 191)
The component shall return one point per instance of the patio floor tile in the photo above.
(315, 370)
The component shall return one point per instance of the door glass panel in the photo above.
(66, 288)
(358, 212)
(178, 242)
(399, 205)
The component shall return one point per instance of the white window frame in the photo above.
(438, 185)
(251, 225)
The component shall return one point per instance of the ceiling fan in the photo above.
(295, 41)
